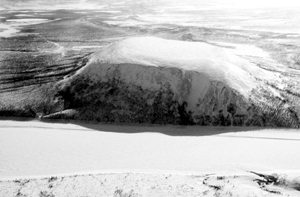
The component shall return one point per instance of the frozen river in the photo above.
(35, 148)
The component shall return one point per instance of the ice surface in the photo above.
(6, 30)
(36, 148)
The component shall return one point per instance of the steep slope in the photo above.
(154, 80)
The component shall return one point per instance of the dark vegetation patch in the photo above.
(12, 111)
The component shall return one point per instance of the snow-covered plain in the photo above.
(39, 149)
(12, 26)
(7, 30)
(36, 148)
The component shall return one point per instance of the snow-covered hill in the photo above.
(155, 80)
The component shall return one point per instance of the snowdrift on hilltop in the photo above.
(154, 80)
(215, 62)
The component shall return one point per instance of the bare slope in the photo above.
(154, 80)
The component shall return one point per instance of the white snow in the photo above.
(22, 15)
(86, 47)
(151, 184)
(12, 26)
(293, 35)
(7, 30)
(126, 23)
(245, 49)
(109, 11)
(26, 21)
(219, 15)
(36, 149)
(216, 63)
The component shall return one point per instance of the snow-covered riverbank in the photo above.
(43, 149)
(129, 157)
